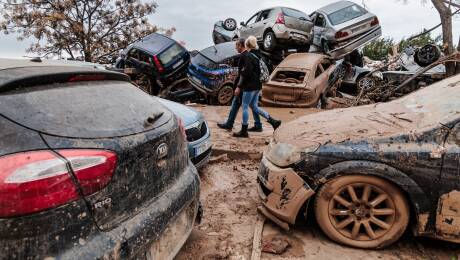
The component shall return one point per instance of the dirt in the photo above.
(230, 201)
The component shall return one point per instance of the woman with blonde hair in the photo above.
(250, 85)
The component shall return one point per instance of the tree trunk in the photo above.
(457, 70)
(448, 42)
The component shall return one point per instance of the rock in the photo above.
(291, 112)
(219, 159)
(275, 244)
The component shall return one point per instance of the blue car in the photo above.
(212, 72)
(196, 129)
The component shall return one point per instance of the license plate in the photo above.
(203, 147)
(360, 28)
(174, 237)
(175, 66)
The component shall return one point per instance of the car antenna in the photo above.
(215, 49)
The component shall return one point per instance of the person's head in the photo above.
(239, 45)
(251, 43)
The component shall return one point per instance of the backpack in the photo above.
(264, 73)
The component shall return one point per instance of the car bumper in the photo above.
(289, 35)
(200, 87)
(282, 191)
(343, 49)
(167, 220)
(200, 150)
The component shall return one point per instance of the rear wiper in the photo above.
(152, 119)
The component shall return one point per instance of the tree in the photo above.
(378, 49)
(87, 28)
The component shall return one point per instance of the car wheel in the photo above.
(362, 211)
(224, 95)
(427, 55)
(269, 41)
(229, 24)
(366, 83)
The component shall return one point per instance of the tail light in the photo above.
(280, 19)
(31, 182)
(375, 21)
(341, 34)
(181, 128)
(158, 64)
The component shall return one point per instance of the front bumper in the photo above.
(175, 209)
(200, 150)
(200, 87)
(282, 191)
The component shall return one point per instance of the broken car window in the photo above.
(170, 54)
(252, 19)
(320, 21)
(296, 77)
(346, 14)
(264, 15)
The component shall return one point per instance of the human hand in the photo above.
(237, 91)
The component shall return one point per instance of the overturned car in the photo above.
(370, 172)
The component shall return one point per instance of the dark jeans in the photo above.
(236, 104)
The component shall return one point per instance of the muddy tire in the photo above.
(362, 211)
(427, 55)
(224, 95)
(229, 24)
(269, 41)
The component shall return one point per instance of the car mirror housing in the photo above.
(243, 24)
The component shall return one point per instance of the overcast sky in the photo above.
(194, 20)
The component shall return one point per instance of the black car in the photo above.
(91, 167)
(156, 62)
(369, 173)
(213, 71)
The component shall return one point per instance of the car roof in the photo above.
(153, 43)
(334, 7)
(302, 60)
(16, 73)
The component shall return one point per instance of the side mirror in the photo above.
(243, 24)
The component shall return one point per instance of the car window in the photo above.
(264, 15)
(319, 71)
(133, 53)
(454, 137)
(144, 57)
(346, 14)
(252, 19)
(320, 21)
(295, 13)
(171, 53)
(325, 64)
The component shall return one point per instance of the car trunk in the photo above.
(285, 86)
(357, 26)
(113, 116)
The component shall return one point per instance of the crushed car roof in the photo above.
(334, 7)
(16, 73)
(302, 60)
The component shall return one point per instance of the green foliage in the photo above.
(420, 41)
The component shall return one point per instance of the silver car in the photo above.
(342, 27)
(279, 26)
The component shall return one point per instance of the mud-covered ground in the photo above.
(229, 197)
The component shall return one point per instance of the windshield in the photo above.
(170, 54)
(346, 14)
(205, 62)
(212, 56)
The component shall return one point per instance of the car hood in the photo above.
(187, 114)
(352, 124)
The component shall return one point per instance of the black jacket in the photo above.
(249, 72)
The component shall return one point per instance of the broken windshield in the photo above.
(212, 56)
(346, 14)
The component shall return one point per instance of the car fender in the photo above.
(415, 194)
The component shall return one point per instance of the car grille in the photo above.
(196, 133)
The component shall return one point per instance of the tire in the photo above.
(224, 95)
(367, 83)
(229, 24)
(352, 221)
(269, 43)
(427, 55)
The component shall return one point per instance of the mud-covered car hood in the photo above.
(424, 109)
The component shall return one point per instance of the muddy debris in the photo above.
(275, 244)
(218, 159)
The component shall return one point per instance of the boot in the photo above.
(243, 133)
(256, 128)
(275, 123)
(225, 126)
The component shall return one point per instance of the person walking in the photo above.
(236, 102)
(250, 85)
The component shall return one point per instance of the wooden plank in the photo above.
(257, 241)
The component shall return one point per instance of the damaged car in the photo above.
(224, 31)
(301, 80)
(154, 63)
(83, 176)
(341, 27)
(213, 71)
(369, 173)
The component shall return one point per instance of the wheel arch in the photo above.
(413, 192)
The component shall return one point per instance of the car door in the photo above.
(319, 28)
(297, 20)
(261, 23)
(248, 28)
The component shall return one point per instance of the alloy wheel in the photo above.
(225, 95)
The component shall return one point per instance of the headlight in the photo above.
(284, 155)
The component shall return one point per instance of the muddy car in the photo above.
(155, 62)
(84, 176)
(213, 71)
(224, 31)
(342, 27)
(301, 80)
(369, 173)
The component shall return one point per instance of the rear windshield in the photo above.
(212, 56)
(295, 13)
(346, 14)
(296, 77)
(170, 54)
